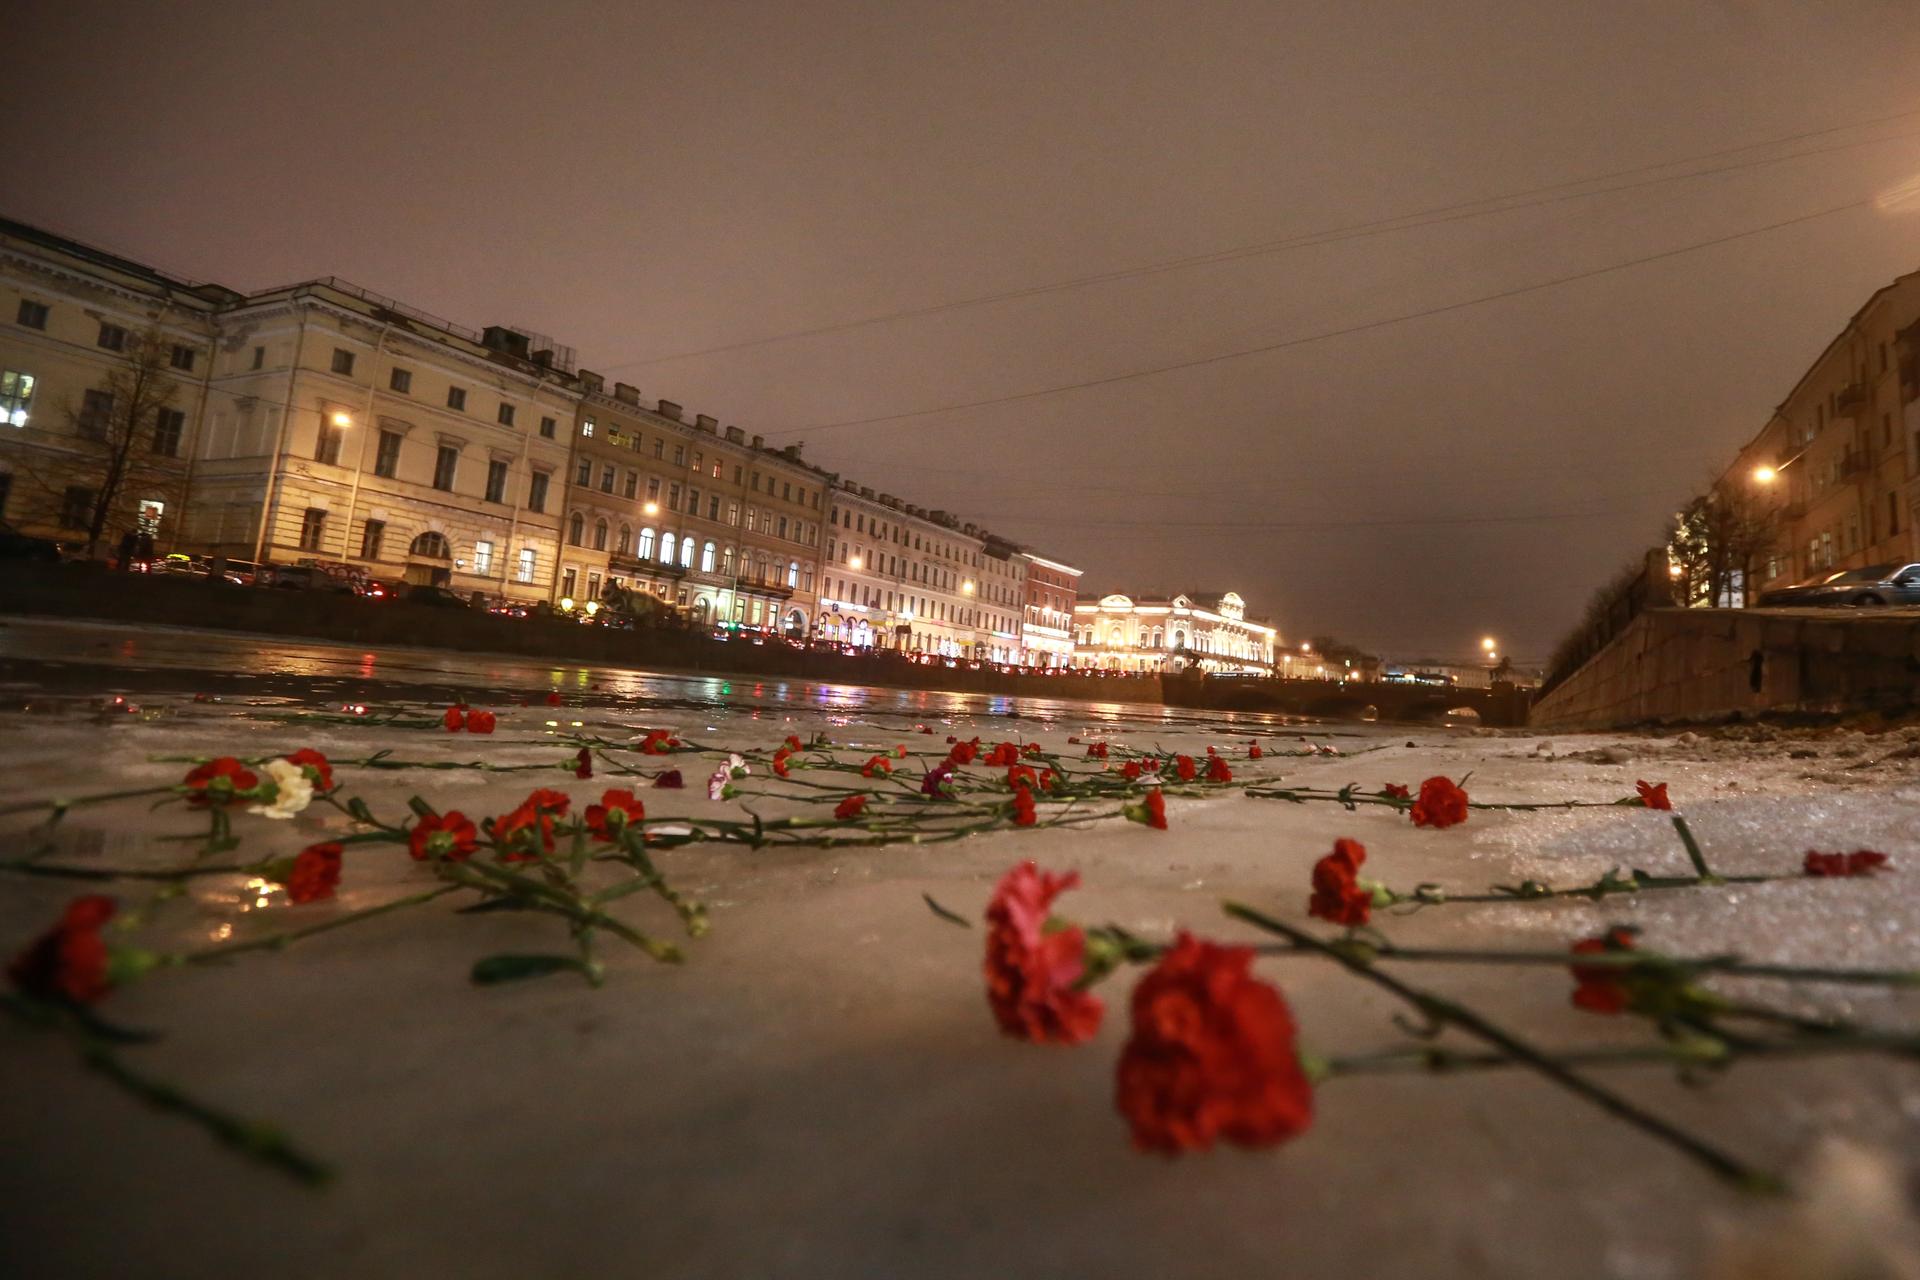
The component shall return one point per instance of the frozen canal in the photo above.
(820, 1089)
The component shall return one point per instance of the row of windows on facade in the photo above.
(880, 598)
(400, 381)
(710, 555)
(446, 466)
(95, 419)
(795, 530)
(111, 337)
(789, 492)
(887, 564)
(1205, 642)
(429, 545)
(858, 522)
(1829, 409)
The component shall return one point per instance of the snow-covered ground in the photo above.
(820, 1090)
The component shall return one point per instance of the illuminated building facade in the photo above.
(1194, 630)
(1046, 624)
(897, 576)
(717, 526)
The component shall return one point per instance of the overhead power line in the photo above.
(1328, 334)
(1436, 215)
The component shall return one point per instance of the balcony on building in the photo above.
(1852, 400)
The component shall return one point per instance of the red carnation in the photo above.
(1211, 1055)
(532, 820)
(70, 961)
(1131, 771)
(1441, 804)
(1217, 770)
(1002, 755)
(583, 764)
(318, 770)
(1152, 810)
(851, 807)
(616, 809)
(1859, 863)
(657, 742)
(455, 719)
(315, 873)
(1253, 751)
(1602, 989)
(1394, 791)
(1032, 969)
(1096, 751)
(1019, 775)
(1337, 895)
(780, 762)
(671, 780)
(877, 767)
(964, 752)
(480, 722)
(443, 835)
(1184, 767)
(1023, 810)
(793, 742)
(218, 783)
(1653, 797)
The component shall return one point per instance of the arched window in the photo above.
(726, 561)
(600, 535)
(760, 569)
(625, 544)
(666, 548)
(793, 573)
(577, 529)
(1179, 639)
(431, 545)
(645, 551)
(706, 558)
(686, 552)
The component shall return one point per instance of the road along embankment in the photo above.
(1688, 665)
(85, 591)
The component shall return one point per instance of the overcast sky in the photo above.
(642, 181)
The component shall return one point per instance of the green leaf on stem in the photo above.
(951, 917)
(510, 967)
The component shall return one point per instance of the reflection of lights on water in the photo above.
(354, 708)
(260, 891)
(221, 934)
(1903, 197)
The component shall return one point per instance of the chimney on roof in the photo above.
(626, 393)
(735, 435)
(591, 380)
(668, 409)
(500, 338)
(759, 442)
(939, 517)
(705, 423)
(791, 451)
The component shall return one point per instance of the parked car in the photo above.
(383, 589)
(1875, 584)
(436, 597)
(183, 566)
(303, 577)
(15, 545)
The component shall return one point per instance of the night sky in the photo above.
(643, 182)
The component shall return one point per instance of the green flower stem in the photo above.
(286, 938)
(29, 867)
(251, 1138)
(79, 802)
(1432, 896)
(1699, 1051)
(1693, 851)
(1443, 1013)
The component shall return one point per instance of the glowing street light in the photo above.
(342, 419)
(652, 508)
(1488, 644)
(856, 562)
(1765, 475)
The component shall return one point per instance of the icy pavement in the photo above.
(820, 1090)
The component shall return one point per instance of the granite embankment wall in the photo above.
(1681, 665)
(83, 591)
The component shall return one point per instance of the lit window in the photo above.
(16, 398)
(483, 557)
(586, 428)
(528, 559)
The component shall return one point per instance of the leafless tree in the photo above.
(121, 445)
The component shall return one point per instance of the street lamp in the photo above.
(651, 508)
(856, 563)
(1765, 475)
(341, 419)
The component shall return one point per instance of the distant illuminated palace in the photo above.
(1121, 633)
